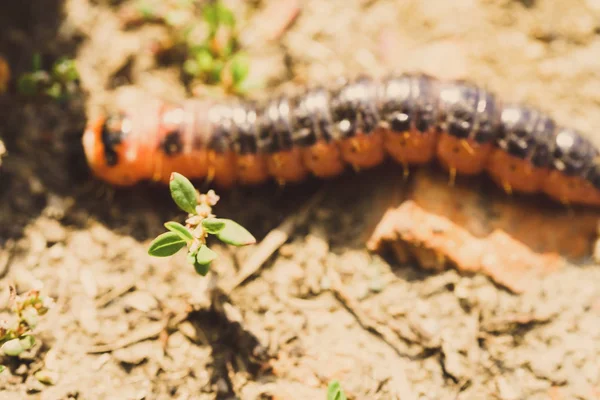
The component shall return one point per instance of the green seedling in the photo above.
(17, 337)
(59, 83)
(335, 391)
(200, 223)
(212, 52)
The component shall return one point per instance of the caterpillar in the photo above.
(413, 118)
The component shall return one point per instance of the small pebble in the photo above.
(141, 301)
(47, 377)
(134, 354)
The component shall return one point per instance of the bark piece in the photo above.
(412, 232)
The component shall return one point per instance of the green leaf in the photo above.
(180, 230)
(204, 59)
(235, 234)
(240, 66)
(191, 258)
(205, 255)
(27, 342)
(65, 70)
(224, 15)
(166, 245)
(2, 368)
(335, 392)
(202, 259)
(218, 14)
(26, 85)
(201, 269)
(191, 67)
(54, 91)
(12, 347)
(213, 225)
(36, 62)
(183, 193)
(215, 72)
(210, 15)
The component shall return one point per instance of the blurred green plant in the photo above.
(17, 336)
(217, 59)
(212, 53)
(59, 83)
(200, 223)
(335, 391)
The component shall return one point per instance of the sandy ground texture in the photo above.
(128, 326)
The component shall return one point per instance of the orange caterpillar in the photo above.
(412, 118)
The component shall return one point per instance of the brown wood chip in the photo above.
(435, 241)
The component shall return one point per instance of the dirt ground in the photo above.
(128, 326)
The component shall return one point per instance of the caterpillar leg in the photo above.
(252, 169)
(410, 148)
(222, 169)
(323, 159)
(287, 166)
(571, 189)
(466, 156)
(363, 151)
(515, 174)
(451, 176)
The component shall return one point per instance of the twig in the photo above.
(272, 242)
(115, 293)
(147, 332)
(5, 256)
(399, 381)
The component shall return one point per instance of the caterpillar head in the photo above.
(112, 151)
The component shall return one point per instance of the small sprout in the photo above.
(18, 337)
(183, 193)
(211, 45)
(12, 348)
(235, 234)
(179, 229)
(335, 392)
(199, 223)
(57, 83)
(166, 245)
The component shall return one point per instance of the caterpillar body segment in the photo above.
(412, 118)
